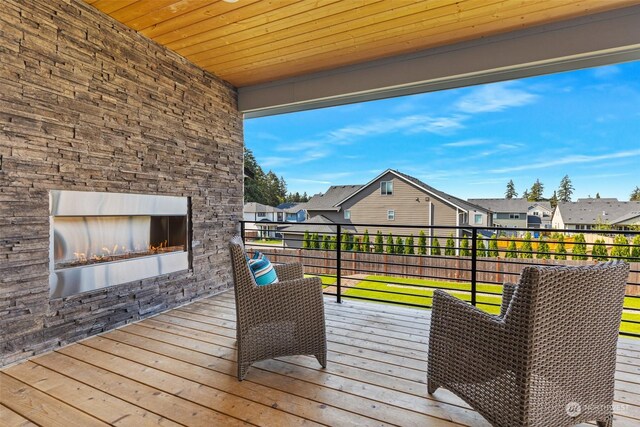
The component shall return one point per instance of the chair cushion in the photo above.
(262, 269)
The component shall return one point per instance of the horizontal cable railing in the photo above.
(403, 264)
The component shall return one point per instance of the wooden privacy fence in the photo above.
(458, 269)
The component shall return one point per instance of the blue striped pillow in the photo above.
(262, 270)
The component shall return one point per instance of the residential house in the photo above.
(517, 212)
(586, 214)
(263, 218)
(293, 212)
(394, 198)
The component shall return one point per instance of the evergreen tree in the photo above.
(565, 190)
(493, 247)
(511, 248)
(537, 189)
(366, 242)
(377, 246)
(511, 190)
(306, 240)
(599, 250)
(450, 246)
(399, 246)
(526, 250)
(635, 195)
(333, 244)
(561, 251)
(326, 242)
(315, 241)
(597, 195)
(526, 195)
(357, 245)
(554, 200)
(480, 248)
(408, 248)
(623, 250)
(635, 251)
(422, 243)
(435, 247)
(579, 250)
(390, 248)
(543, 249)
(345, 245)
(464, 247)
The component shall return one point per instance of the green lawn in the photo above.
(408, 290)
(326, 280)
(266, 242)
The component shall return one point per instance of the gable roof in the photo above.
(593, 211)
(447, 198)
(259, 207)
(503, 205)
(329, 200)
(326, 226)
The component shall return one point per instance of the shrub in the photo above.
(543, 249)
(366, 242)
(511, 248)
(306, 240)
(390, 248)
(526, 250)
(599, 250)
(377, 246)
(399, 246)
(480, 248)
(422, 243)
(450, 246)
(493, 247)
(464, 247)
(620, 251)
(579, 250)
(561, 251)
(408, 249)
(333, 245)
(326, 242)
(635, 251)
(315, 241)
(435, 247)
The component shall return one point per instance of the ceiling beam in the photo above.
(599, 39)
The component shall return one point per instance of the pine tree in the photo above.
(635, 251)
(565, 190)
(422, 243)
(333, 245)
(390, 248)
(579, 250)
(399, 246)
(511, 250)
(537, 189)
(597, 195)
(326, 242)
(493, 247)
(526, 250)
(561, 251)
(554, 200)
(435, 247)
(377, 246)
(464, 247)
(366, 242)
(599, 251)
(306, 240)
(543, 249)
(480, 248)
(511, 190)
(635, 195)
(622, 250)
(409, 248)
(357, 245)
(344, 242)
(315, 241)
(450, 246)
(526, 195)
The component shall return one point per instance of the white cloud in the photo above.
(467, 143)
(272, 161)
(572, 159)
(494, 97)
(606, 71)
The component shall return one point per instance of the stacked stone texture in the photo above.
(87, 104)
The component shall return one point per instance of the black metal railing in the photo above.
(405, 263)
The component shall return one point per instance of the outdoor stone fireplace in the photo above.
(103, 239)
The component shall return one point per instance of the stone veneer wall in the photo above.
(88, 104)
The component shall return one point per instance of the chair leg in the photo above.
(242, 370)
(432, 386)
(322, 358)
(608, 422)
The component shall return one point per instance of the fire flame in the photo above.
(120, 251)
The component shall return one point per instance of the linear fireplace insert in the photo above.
(105, 239)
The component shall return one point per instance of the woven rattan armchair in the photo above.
(281, 319)
(548, 359)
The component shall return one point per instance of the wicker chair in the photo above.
(548, 359)
(281, 319)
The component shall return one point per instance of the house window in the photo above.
(386, 188)
(514, 216)
(261, 214)
(477, 219)
(347, 214)
(391, 215)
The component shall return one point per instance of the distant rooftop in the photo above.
(520, 205)
(327, 201)
(593, 211)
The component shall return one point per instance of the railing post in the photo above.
(474, 266)
(338, 264)
(242, 231)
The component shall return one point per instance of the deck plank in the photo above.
(179, 367)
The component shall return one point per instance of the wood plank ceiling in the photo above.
(256, 41)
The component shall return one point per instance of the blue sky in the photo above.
(469, 142)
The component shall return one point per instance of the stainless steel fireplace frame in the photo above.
(72, 280)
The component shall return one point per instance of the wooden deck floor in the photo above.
(178, 368)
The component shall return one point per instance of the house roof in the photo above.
(325, 226)
(328, 200)
(594, 211)
(448, 198)
(259, 207)
(515, 205)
